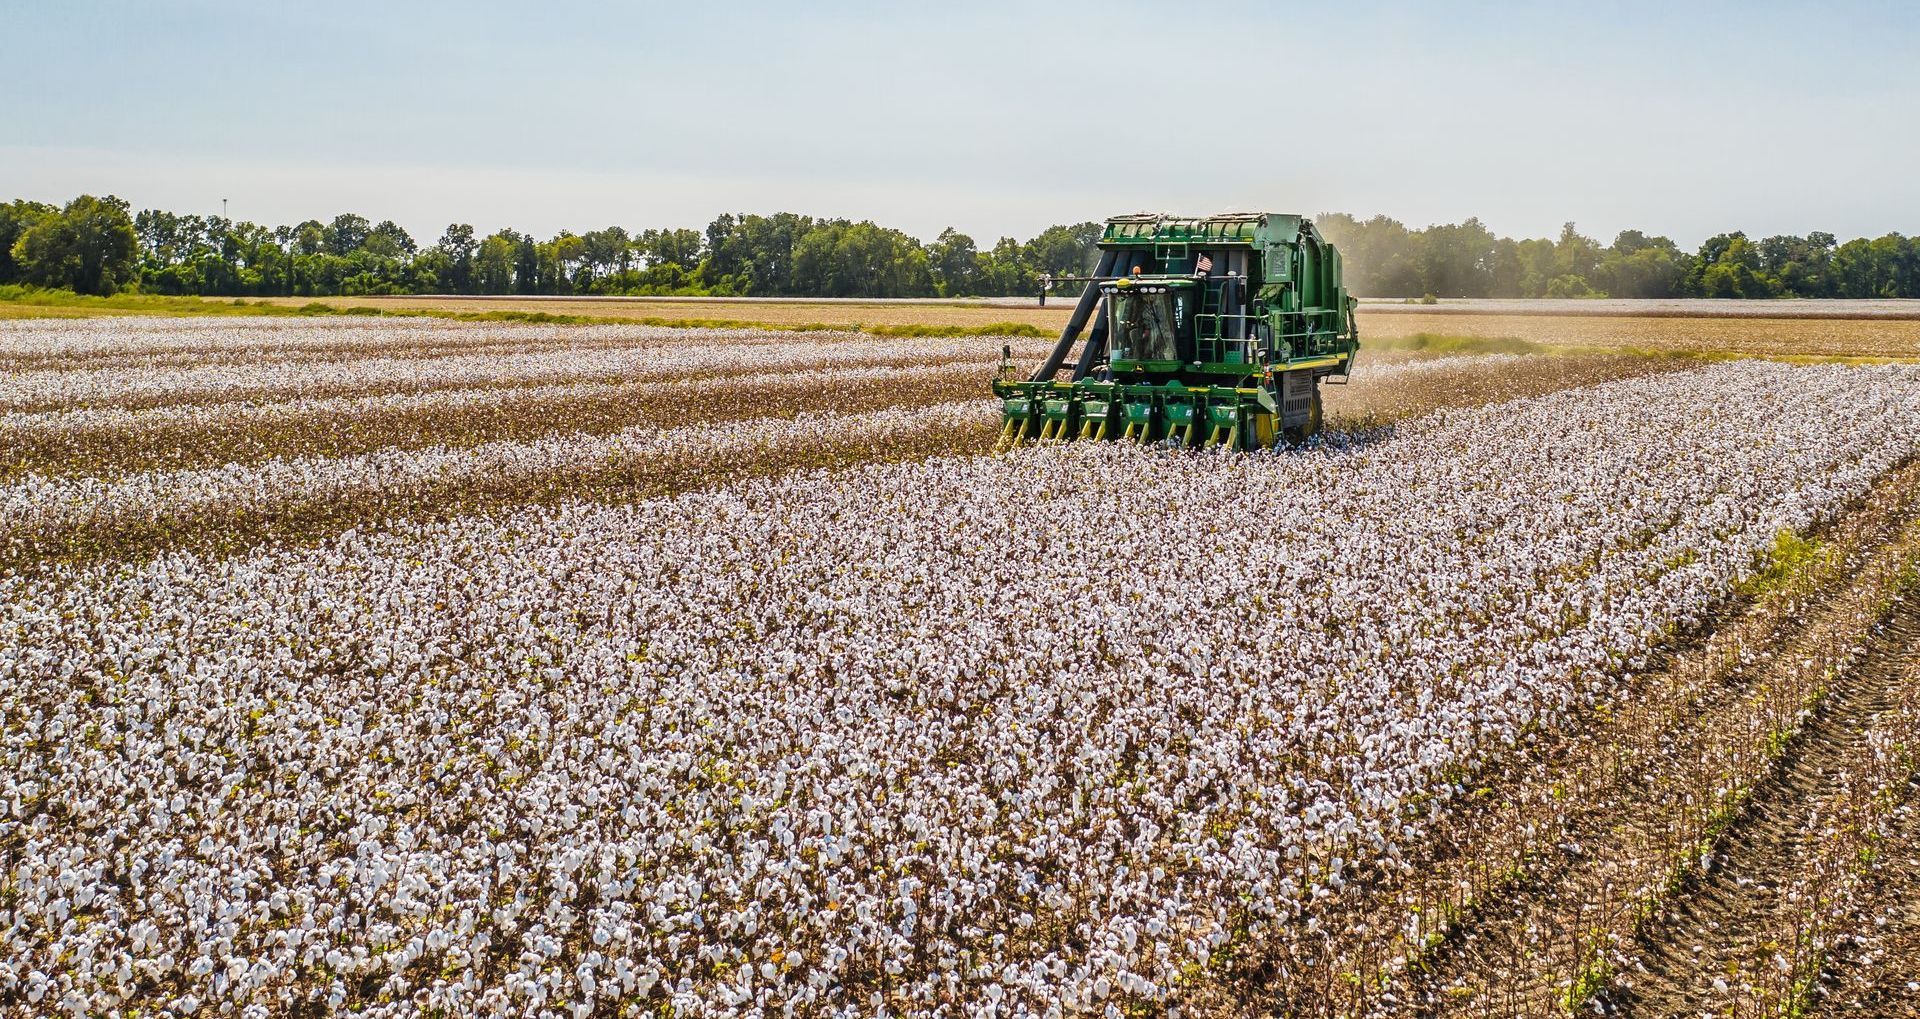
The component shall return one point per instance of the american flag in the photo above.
(1202, 265)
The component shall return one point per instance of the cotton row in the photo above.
(45, 389)
(80, 338)
(966, 736)
(37, 510)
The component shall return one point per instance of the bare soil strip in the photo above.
(170, 439)
(1749, 337)
(1751, 935)
(273, 347)
(1875, 968)
(220, 530)
(1540, 863)
(254, 433)
(1643, 800)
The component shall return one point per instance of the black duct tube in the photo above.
(1096, 344)
(1088, 298)
(1096, 347)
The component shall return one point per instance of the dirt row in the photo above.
(1639, 864)
(252, 435)
(1530, 893)
(1875, 968)
(1753, 933)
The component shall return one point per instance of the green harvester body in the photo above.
(1204, 331)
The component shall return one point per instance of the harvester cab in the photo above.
(1199, 332)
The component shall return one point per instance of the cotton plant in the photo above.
(1047, 733)
(586, 354)
(41, 507)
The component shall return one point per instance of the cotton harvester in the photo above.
(1205, 331)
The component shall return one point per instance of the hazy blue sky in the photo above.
(1679, 118)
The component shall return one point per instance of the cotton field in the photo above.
(676, 715)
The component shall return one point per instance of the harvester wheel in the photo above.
(1263, 431)
(1312, 427)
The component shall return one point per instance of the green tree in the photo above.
(605, 257)
(493, 263)
(1457, 261)
(458, 247)
(1571, 286)
(683, 248)
(1576, 254)
(16, 218)
(955, 264)
(1538, 266)
(1728, 266)
(346, 234)
(1641, 266)
(87, 247)
(1003, 269)
(1379, 255)
(526, 265)
(1799, 266)
(1061, 251)
(387, 240)
(756, 255)
(310, 238)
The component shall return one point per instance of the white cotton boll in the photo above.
(668, 739)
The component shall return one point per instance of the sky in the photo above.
(1677, 118)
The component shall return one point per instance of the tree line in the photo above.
(98, 245)
(1384, 258)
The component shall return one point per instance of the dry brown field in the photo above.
(1768, 337)
(841, 313)
(1794, 332)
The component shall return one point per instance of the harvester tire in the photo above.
(1303, 432)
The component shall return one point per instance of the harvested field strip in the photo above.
(83, 344)
(266, 349)
(1872, 970)
(133, 389)
(780, 314)
(226, 510)
(881, 319)
(111, 442)
(1564, 866)
(1382, 937)
(1381, 393)
(1752, 935)
(1742, 336)
(139, 489)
